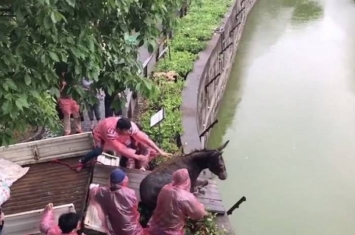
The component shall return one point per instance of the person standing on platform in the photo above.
(66, 103)
(92, 108)
(109, 111)
(175, 203)
(119, 203)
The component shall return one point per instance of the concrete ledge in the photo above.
(205, 85)
(203, 92)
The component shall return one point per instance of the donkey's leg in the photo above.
(200, 183)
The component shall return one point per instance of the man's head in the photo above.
(69, 222)
(118, 178)
(123, 126)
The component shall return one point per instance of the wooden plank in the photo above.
(48, 149)
(108, 160)
(211, 199)
(92, 220)
(28, 222)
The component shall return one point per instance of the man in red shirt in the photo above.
(66, 103)
(116, 133)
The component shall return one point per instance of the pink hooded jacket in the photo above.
(175, 203)
(121, 207)
(48, 225)
(105, 134)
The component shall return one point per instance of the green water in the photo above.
(289, 113)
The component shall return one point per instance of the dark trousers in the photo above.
(97, 151)
(94, 109)
(109, 112)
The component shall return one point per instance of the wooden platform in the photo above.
(211, 200)
(49, 183)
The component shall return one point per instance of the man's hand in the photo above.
(48, 207)
(143, 159)
(165, 154)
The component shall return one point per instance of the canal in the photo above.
(289, 113)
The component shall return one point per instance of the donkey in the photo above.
(195, 162)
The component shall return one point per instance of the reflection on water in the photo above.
(289, 112)
(306, 10)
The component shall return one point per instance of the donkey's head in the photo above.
(216, 162)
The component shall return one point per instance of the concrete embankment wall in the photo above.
(205, 85)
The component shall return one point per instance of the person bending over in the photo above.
(116, 133)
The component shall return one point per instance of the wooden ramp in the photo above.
(211, 199)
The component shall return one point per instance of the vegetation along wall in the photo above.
(205, 85)
(192, 76)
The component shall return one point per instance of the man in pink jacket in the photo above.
(68, 224)
(119, 203)
(2, 218)
(175, 203)
(116, 133)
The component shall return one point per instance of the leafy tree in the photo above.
(90, 36)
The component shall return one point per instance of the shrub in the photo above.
(206, 226)
(184, 42)
(181, 62)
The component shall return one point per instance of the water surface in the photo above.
(289, 112)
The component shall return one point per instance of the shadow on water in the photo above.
(275, 14)
(306, 11)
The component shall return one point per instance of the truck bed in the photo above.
(49, 182)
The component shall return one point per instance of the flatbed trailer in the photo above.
(47, 181)
(52, 179)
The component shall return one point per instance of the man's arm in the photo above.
(143, 138)
(62, 85)
(123, 150)
(193, 208)
(48, 219)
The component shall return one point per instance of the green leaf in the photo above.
(35, 94)
(27, 79)
(22, 101)
(150, 48)
(11, 84)
(54, 56)
(6, 107)
(53, 18)
(91, 45)
(47, 23)
(71, 2)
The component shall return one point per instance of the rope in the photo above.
(74, 167)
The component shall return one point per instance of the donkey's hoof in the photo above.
(203, 192)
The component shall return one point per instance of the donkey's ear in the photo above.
(216, 153)
(223, 146)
